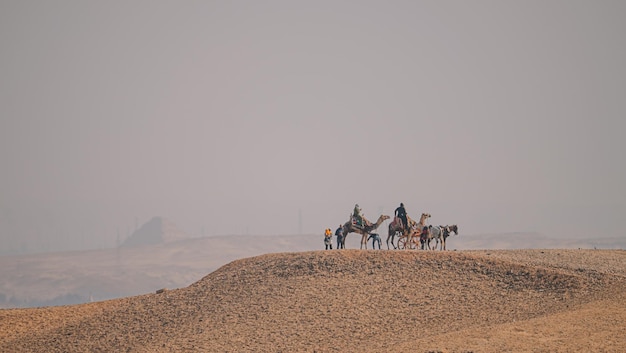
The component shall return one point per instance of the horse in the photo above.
(436, 232)
(446, 233)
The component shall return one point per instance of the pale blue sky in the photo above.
(236, 116)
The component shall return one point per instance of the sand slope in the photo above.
(359, 301)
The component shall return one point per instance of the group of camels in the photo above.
(413, 231)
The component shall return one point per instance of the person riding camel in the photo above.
(401, 213)
(358, 216)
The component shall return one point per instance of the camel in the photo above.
(396, 229)
(414, 229)
(348, 227)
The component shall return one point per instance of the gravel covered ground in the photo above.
(359, 301)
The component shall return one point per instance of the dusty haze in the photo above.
(276, 117)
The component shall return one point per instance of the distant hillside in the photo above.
(357, 301)
(531, 241)
(157, 230)
(82, 276)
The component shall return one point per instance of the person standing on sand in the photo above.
(339, 235)
(328, 239)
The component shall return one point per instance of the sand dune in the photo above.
(358, 301)
(78, 277)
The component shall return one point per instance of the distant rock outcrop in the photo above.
(158, 230)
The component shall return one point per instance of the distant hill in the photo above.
(81, 276)
(519, 240)
(157, 230)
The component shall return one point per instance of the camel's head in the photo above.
(425, 215)
(454, 228)
(384, 218)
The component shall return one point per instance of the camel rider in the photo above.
(358, 216)
(401, 213)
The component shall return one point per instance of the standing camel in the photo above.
(348, 227)
(397, 229)
(416, 229)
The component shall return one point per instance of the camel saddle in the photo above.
(356, 224)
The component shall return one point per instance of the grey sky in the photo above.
(237, 116)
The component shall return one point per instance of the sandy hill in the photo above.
(76, 277)
(356, 301)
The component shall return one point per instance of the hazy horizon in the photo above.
(276, 117)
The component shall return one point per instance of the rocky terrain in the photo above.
(164, 260)
(539, 300)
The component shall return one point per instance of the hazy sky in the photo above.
(276, 117)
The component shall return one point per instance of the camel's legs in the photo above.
(389, 236)
(393, 237)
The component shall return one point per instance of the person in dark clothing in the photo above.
(401, 213)
(339, 235)
(375, 239)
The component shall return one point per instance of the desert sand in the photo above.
(550, 300)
